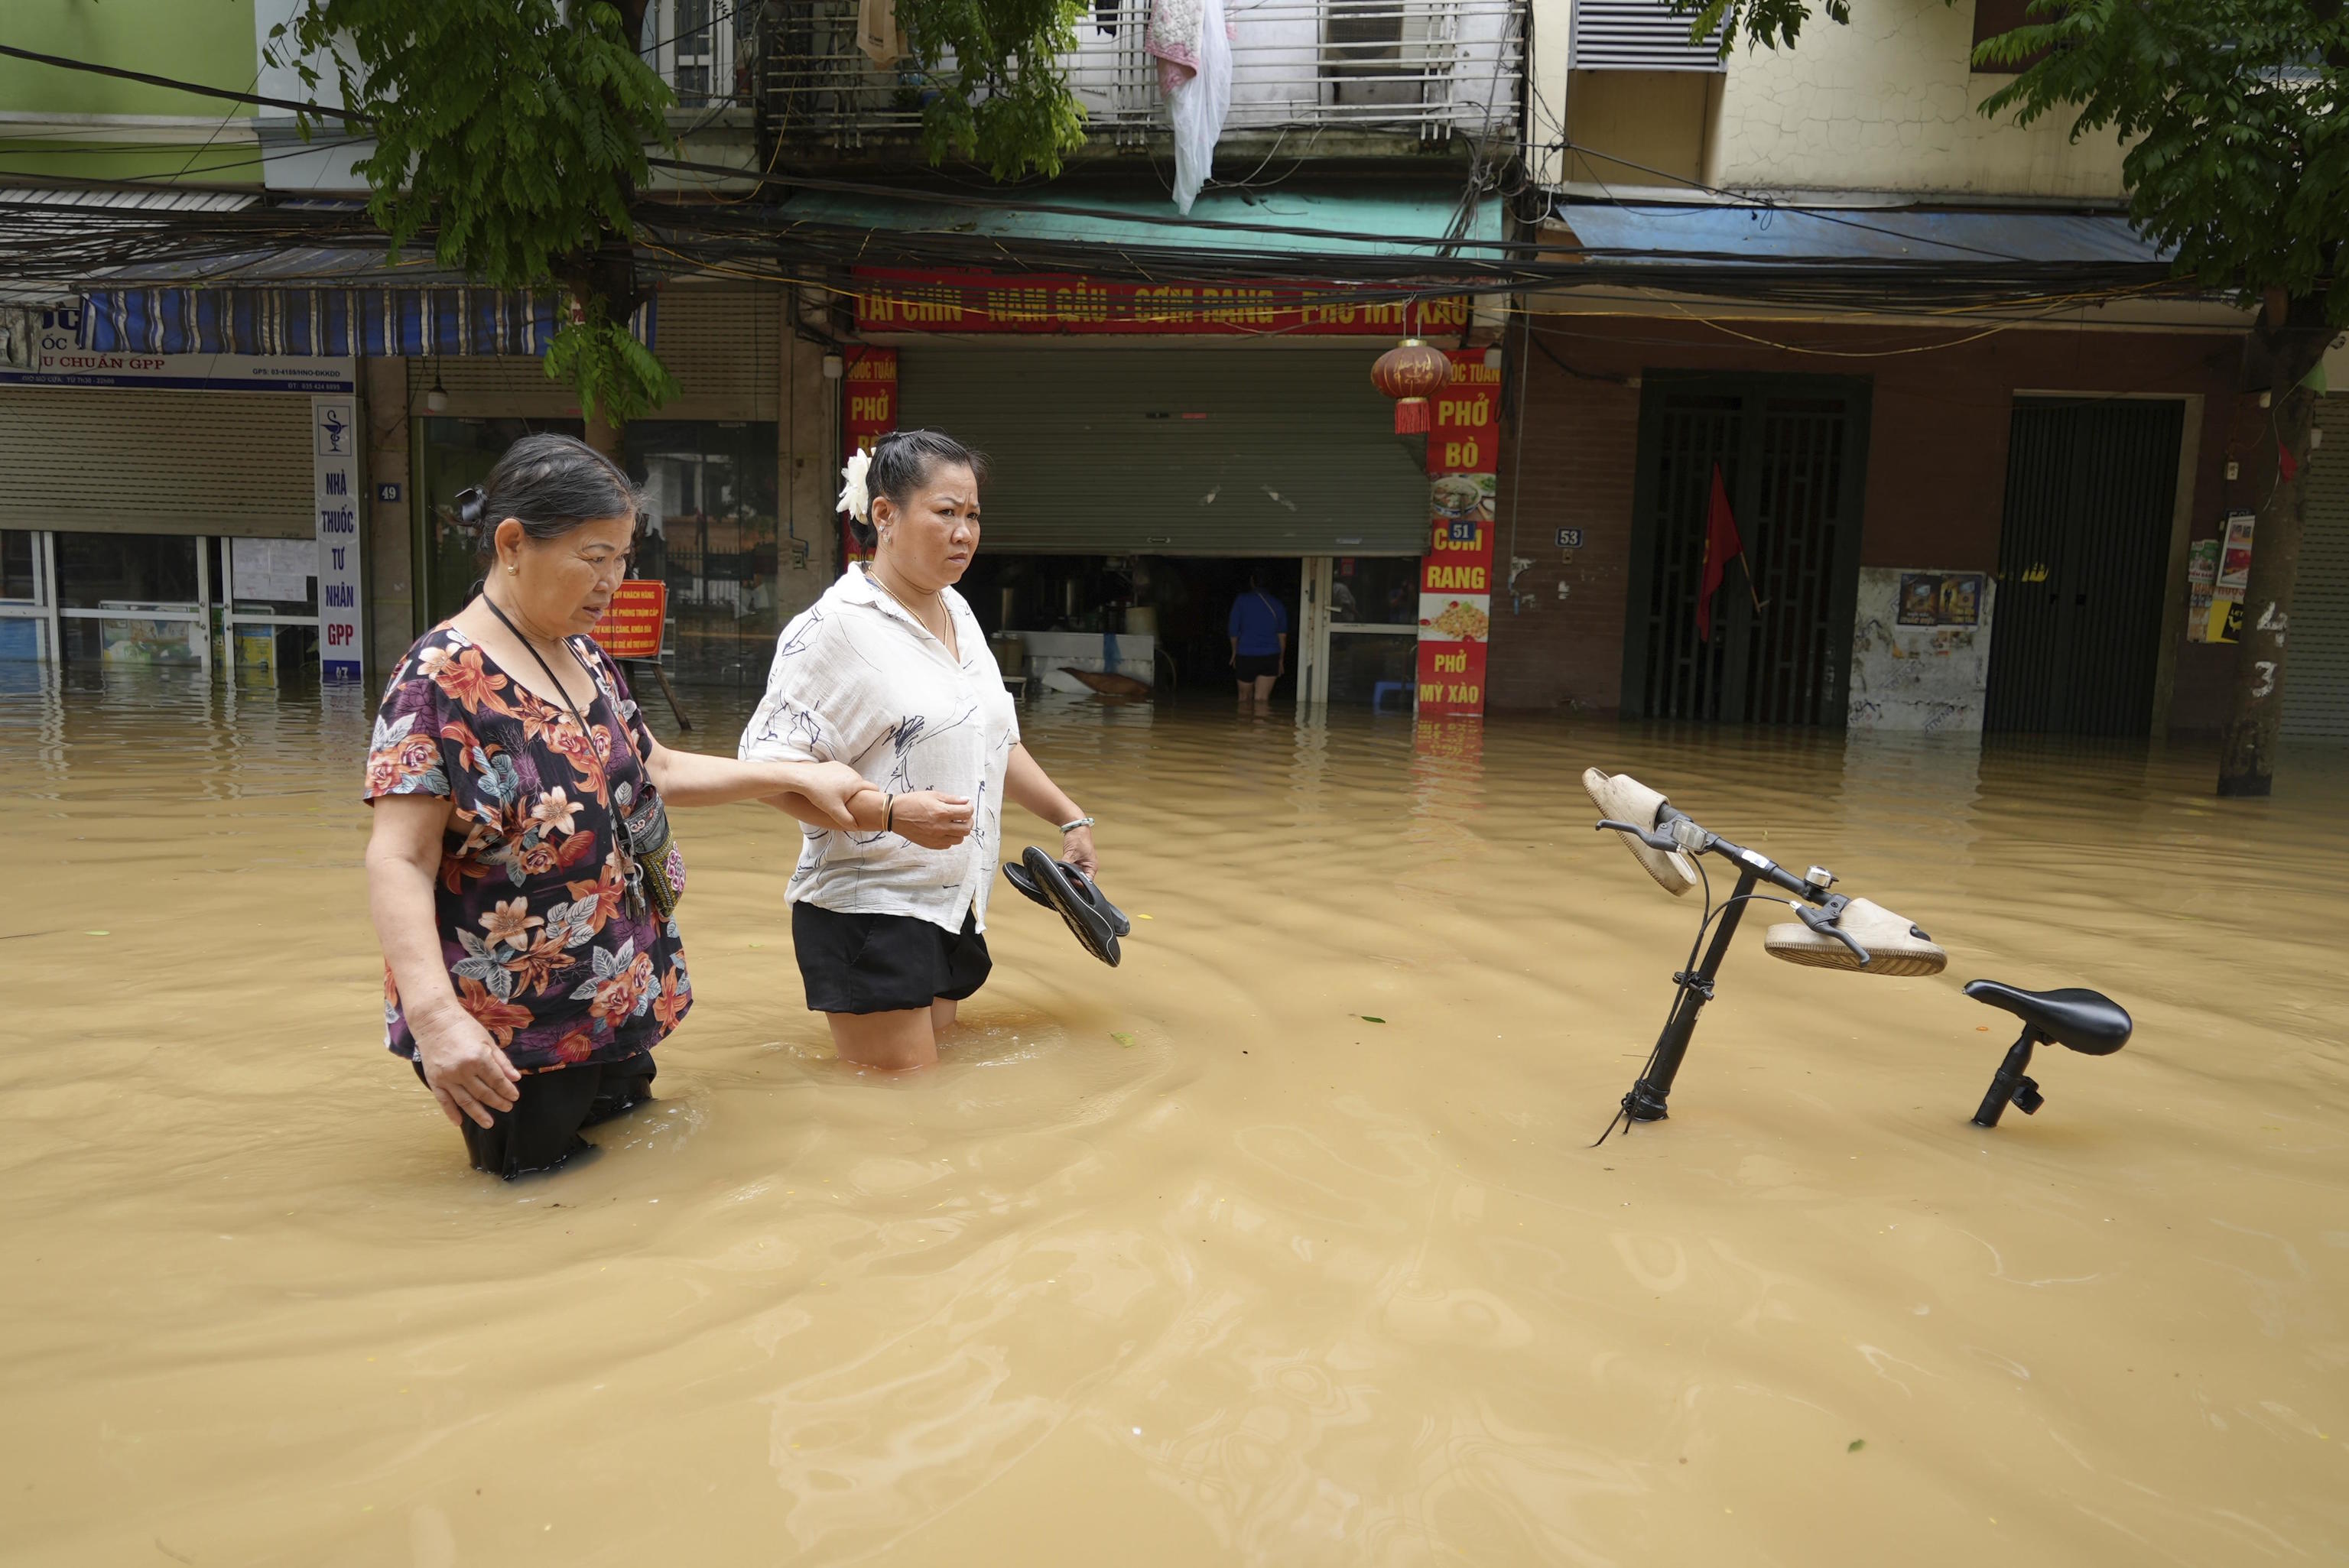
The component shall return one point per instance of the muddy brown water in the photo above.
(1192, 1262)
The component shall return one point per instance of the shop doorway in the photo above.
(1793, 452)
(1359, 642)
(1160, 619)
(2091, 491)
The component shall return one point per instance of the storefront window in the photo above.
(1373, 590)
(109, 571)
(711, 532)
(1358, 666)
(456, 455)
(709, 529)
(130, 572)
(15, 563)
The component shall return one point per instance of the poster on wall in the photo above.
(869, 412)
(2224, 622)
(334, 436)
(1456, 577)
(2202, 584)
(1939, 599)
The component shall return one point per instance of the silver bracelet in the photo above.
(1079, 822)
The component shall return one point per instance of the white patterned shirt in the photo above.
(856, 679)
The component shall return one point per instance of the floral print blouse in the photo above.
(545, 943)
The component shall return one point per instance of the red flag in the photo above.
(1722, 545)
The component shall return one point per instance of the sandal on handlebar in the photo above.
(1893, 946)
(1626, 800)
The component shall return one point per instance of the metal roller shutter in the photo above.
(1176, 451)
(100, 459)
(2316, 677)
(724, 345)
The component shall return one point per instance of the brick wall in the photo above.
(1935, 488)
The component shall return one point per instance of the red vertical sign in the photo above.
(870, 413)
(1456, 577)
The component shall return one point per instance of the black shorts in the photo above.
(884, 962)
(1256, 666)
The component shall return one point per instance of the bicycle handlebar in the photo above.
(1893, 946)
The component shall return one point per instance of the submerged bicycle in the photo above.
(1830, 930)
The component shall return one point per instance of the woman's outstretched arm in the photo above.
(823, 790)
(1027, 784)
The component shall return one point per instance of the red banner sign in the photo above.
(1071, 303)
(631, 626)
(869, 413)
(1456, 577)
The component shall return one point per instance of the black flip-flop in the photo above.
(1086, 888)
(1068, 893)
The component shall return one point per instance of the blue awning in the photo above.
(1389, 218)
(437, 321)
(1710, 233)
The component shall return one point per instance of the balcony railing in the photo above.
(1426, 69)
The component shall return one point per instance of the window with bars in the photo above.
(690, 43)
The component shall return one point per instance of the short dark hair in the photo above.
(903, 462)
(549, 484)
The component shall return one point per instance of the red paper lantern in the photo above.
(1412, 372)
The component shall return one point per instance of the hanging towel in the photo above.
(877, 33)
(1191, 42)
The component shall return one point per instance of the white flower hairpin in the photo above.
(855, 499)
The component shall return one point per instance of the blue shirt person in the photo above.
(1259, 633)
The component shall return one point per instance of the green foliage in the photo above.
(1002, 99)
(516, 136)
(2238, 127)
(1763, 24)
(609, 368)
(515, 132)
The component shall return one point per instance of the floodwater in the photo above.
(1282, 1243)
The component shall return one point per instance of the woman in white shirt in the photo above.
(889, 672)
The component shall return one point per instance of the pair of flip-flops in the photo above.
(1068, 893)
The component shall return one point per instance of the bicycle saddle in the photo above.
(2078, 1019)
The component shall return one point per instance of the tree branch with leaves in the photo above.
(514, 134)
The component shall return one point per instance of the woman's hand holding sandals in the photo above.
(1077, 849)
(932, 820)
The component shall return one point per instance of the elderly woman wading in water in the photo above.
(530, 962)
(889, 672)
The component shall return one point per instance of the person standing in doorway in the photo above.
(1260, 633)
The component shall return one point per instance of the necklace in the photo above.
(559, 689)
(937, 602)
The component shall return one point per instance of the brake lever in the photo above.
(1654, 840)
(1823, 920)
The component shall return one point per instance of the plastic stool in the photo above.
(1379, 693)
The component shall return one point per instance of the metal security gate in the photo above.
(2091, 491)
(1265, 451)
(1793, 452)
(2316, 671)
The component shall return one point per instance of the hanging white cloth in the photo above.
(1191, 42)
(877, 33)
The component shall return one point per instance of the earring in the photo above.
(511, 571)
